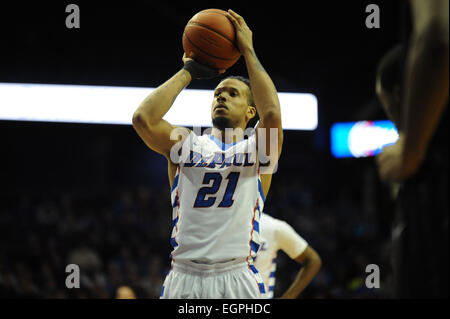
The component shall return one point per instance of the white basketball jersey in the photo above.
(217, 199)
(276, 235)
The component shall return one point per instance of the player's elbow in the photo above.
(139, 120)
(314, 260)
(272, 119)
(272, 116)
(318, 262)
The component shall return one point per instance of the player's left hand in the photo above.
(394, 165)
(244, 36)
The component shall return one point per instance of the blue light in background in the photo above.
(361, 139)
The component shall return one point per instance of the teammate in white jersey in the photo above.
(217, 182)
(278, 235)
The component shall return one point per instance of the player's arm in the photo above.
(388, 86)
(426, 85)
(148, 118)
(298, 249)
(311, 263)
(425, 90)
(264, 91)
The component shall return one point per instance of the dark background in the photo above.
(96, 191)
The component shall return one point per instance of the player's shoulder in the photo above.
(270, 220)
(277, 225)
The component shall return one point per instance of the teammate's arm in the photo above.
(264, 91)
(311, 263)
(425, 91)
(298, 249)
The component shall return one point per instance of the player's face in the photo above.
(230, 104)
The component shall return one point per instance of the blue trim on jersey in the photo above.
(271, 288)
(173, 242)
(223, 146)
(175, 202)
(253, 268)
(255, 246)
(174, 222)
(256, 226)
(175, 183)
(272, 274)
(261, 192)
(162, 291)
(261, 288)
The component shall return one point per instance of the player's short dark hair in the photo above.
(252, 122)
(391, 67)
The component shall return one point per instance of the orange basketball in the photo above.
(210, 35)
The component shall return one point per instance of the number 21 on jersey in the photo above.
(227, 199)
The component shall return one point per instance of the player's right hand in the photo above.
(199, 71)
(244, 36)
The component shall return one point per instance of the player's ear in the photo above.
(251, 112)
(252, 116)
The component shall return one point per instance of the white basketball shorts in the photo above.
(230, 280)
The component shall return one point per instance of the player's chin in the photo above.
(219, 117)
(220, 121)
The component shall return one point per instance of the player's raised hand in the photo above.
(244, 35)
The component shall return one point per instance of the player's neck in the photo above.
(228, 135)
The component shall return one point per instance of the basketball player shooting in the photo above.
(217, 191)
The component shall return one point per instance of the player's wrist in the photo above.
(199, 71)
(186, 75)
(247, 51)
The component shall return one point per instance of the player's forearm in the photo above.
(268, 106)
(263, 89)
(158, 103)
(426, 89)
(304, 277)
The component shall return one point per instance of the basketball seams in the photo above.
(212, 37)
(216, 11)
(207, 53)
(213, 30)
(200, 25)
